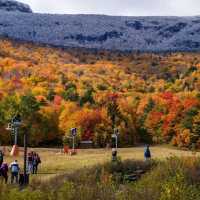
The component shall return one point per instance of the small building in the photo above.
(86, 144)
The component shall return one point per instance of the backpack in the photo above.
(39, 160)
(14, 168)
(1, 156)
(4, 167)
(147, 153)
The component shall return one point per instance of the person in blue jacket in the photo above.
(147, 153)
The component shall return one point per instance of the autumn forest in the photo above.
(151, 98)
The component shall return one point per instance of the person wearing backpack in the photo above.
(14, 167)
(30, 162)
(147, 153)
(4, 171)
(1, 158)
(36, 162)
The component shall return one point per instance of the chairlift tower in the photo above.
(14, 126)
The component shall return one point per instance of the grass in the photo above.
(55, 163)
(175, 178)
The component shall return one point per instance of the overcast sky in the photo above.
(117, 7)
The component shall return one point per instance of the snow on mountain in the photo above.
(11, 5)
(103, 32)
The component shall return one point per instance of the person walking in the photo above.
(114, 154)
(147, 153)
(1, 158)
(36, 162)
(30, 162)
(14, 167)
(4, 171)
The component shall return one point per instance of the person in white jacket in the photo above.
(14, 168)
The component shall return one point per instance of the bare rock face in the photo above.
(11, 5)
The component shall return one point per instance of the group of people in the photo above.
(33, 160)
(14, 168)
(4, 168)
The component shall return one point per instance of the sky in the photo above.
(117, 7)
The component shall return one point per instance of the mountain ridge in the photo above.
(103, 32)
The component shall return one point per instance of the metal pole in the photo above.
(116, 142)
(73, 144)
(25, 158)
(16, 134)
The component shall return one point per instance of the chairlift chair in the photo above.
(17, 123)
(9, 127)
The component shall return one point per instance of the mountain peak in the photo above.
(12, 5)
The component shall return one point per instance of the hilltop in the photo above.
(13, 6)
(103, 32)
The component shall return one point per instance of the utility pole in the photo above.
(16, 122)
(13, 126)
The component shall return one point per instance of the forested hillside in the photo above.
(154, 97)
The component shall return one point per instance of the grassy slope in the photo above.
(54, 163)
(172, 179)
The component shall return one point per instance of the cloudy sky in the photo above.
(117, 7)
